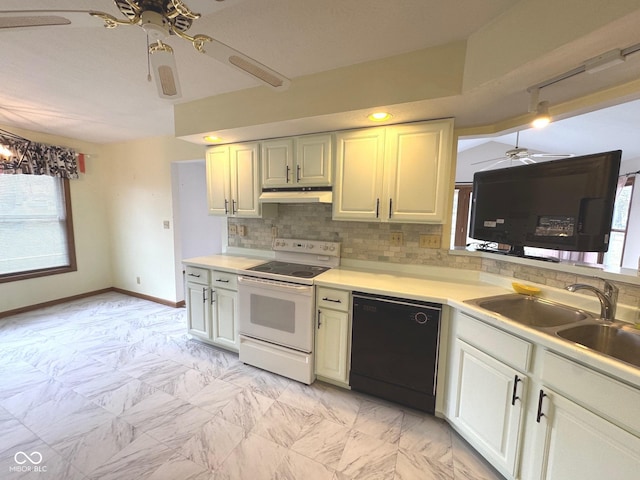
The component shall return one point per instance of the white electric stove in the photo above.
(277, 307)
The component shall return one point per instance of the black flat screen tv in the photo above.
(560, 205)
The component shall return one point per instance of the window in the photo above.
(619, 224)
(36, 229)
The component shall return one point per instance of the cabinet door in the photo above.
(359, 171)
(572, 442)
(218, 185)
(245, 180)
(488, 406)
(313, 161)
(419, 157)
(225, 318)
(332, 354)
(277, 163)
(198, 316)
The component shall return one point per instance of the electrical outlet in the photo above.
(274, 232)
(138, 280)
(396, 239)
(430, 241)
(242, 230)
(233, 229)
(166, 224)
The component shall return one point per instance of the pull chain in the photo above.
(148, 61)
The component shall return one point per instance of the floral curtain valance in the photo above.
(19, 155)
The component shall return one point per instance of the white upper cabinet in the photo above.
(359, 170)
(394, 174)
(314, 160)
(218, 180)
(297, 161)
(277, 162)
(233, 182)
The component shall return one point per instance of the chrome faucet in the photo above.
(608, 297)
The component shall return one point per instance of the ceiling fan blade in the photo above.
(522, 160)
(552, 155)
(10, 19)
(490, 160)
(246, 64)
(165, 72)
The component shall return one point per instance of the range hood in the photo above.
(297, 195)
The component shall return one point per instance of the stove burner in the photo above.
(303, 274)
(290, 269)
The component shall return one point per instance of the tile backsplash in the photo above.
(371, 241)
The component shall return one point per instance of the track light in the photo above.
(541, 109)
(542, 118)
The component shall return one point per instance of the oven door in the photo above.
(276, 312)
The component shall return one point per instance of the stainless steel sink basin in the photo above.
(616, 340)
(531, 311)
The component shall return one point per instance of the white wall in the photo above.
(140, 201)
(91, 233)
(196, 232)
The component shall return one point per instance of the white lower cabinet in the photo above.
(572, 442)
(535, 414)
(485, 395)
(225, 318)
(198, 312)
(332, 336)
(212, 307)
(489, 404)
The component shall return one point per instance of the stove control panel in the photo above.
(318, 247)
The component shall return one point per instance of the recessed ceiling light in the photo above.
(379, 116)
(212, 139)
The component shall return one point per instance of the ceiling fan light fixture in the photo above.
(5, 152)
(542, 118)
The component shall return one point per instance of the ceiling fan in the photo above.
(160, 19)
(521, 155)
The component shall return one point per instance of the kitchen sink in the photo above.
(617, 340)
(531, 311)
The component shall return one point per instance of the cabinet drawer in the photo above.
(604, 395)
(197, 275)
(334, 299)
(499, 344)
(224, 280)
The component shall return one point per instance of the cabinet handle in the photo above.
(297, 173)
(539, 415)
(515, 389)
(204, 294)
(287, 173)
(390, 204)
(233, 207)
(327, 299)
(197, 275)
(226, 206)
(377, 207)
(319, 322)
(213, 299)
(222, 280)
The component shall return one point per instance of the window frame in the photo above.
(71, 246)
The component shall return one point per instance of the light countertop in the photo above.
(225, 263)
(445, 286)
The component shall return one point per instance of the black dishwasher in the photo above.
(394, 350)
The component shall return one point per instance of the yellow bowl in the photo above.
(525, 289)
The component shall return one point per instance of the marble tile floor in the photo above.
(111, 387)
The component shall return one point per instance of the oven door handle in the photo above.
(274, 284)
